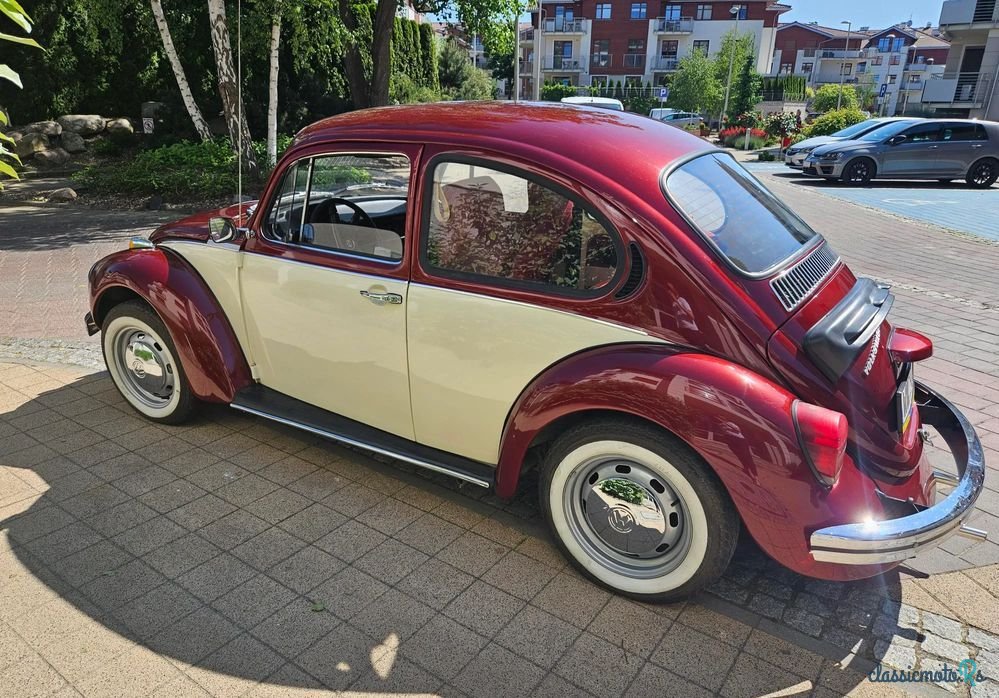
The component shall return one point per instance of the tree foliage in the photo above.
(826, 98)
(833, 121)
(458, 76)
(16, 14)
(695, 86)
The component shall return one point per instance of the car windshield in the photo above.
(880, 134)
(858, 129)
(751, 227)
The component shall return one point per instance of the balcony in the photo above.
(957, 89)
(558, 25)
(665, 63)
(634, 60)
(968, 12)
(601, 60)
(684, 25)
(852, 53)
(564, 64)
(527, 35)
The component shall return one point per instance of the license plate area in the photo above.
(905, 396)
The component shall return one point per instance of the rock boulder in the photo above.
(49, 128)
(52, 158)
(64, 194)
(31, 143)
(73, 142)
(119, 126)
(83, 124)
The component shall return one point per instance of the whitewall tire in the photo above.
(141, 359)
(636, 510)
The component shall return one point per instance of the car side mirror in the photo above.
(895, 140)
(221, 229)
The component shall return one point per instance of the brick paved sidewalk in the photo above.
(230, 557)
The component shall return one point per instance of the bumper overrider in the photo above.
(894, 540)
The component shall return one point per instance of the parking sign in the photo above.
(663, 93)
(884, 89)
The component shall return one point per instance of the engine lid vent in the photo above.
(793, 285)
(636, 274)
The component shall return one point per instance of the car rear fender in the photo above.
(739, 422)
(213, 360)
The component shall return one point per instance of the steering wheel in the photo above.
(361, 216)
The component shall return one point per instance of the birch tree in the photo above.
(272, 86)
(200, 125)
(232, 105)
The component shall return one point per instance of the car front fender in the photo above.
(739, 422)
(209, 351)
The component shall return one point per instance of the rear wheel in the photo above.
(983, 174)
(636, 510)
(859, 171)
(141, 358)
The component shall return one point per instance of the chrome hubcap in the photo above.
(145, 367)
(627, 517)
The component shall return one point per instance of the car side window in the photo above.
(962, 132)
(923, 133)
(354, 204)
(495, 224)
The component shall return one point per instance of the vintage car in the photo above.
(482, 288)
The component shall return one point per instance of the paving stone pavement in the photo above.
(230, 557)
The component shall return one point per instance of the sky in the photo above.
(863, 12)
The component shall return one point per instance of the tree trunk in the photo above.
(353, 65)
(381, 52)
(272, 92)
(200, 125)
(232, 106)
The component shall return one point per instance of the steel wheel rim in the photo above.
(627, 517)
(983, 172)
(145, 366)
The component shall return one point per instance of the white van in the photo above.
(599, 102)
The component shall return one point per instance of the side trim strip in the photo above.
(367, 446)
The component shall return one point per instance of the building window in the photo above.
(563, 49)
(886, 45)
(635, 58)
(915, 79)
(671, 13)
(639, 10)
(598, 81)
(892, 79)
(702, 45)
(786, 68)
(743, 12)
(703, 12)
(845, 68)
(861, 67)
(603, 10)
(806, 68)
(877, 60)
(669, 49)
(601, 53)
(895, 59)
(633, 81)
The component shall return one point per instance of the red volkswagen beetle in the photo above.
(482, 288)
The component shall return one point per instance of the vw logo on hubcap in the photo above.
(621, 520)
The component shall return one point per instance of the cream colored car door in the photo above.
(324, 289)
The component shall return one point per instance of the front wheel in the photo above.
(983, 174)
(636, 510)
(141, 359)
(859, 171)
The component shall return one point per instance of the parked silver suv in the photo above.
(941, 149)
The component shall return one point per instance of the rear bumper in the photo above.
(894, 540)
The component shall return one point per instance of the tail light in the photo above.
(822, 435)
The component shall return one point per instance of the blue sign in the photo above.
(663, 93)
(884, 89)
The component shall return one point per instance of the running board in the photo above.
(278, 407)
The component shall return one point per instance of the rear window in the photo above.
(741, 218)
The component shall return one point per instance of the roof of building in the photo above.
(831, 32)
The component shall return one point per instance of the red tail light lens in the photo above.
(822, 435)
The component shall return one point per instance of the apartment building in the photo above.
(592, 42)
(895, 62)
(967, 86)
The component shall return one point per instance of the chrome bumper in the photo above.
(894, 540)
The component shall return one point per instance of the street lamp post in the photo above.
(849, 29)
(516, 53)
(734, 11)
(883, 107)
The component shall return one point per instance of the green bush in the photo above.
(179, 171)
(833, 121)
(828, 96)
(555, 91)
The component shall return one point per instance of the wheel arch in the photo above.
(208, 349)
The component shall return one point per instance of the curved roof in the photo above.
(598, 138)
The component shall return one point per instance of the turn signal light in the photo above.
(907, 345)
(822, 435)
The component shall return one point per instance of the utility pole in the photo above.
(839, 97)
(736, 9)
(516, 52)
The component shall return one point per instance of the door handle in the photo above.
(934, 147)
(976, 145)
(379, 298)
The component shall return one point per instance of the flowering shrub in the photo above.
(735, 137)
(781, 125)
(752, 119)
